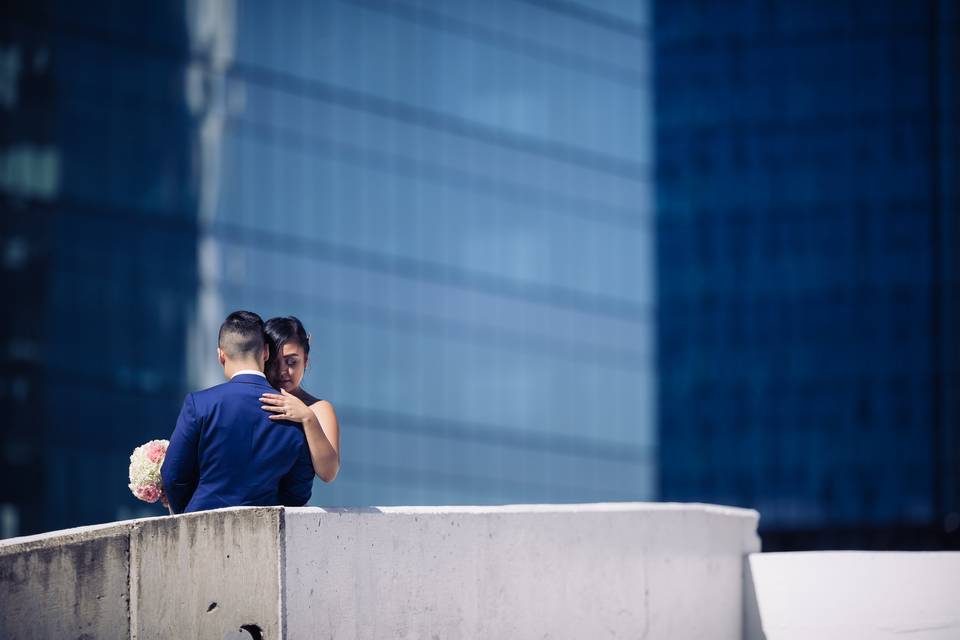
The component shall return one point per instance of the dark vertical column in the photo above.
(945, 141)
(936, 270)
(806, 260)
(27, 198)
(98, 250)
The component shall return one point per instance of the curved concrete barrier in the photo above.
(524, 571)
(190, 576)
(66, 584)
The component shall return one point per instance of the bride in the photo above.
(289, 351)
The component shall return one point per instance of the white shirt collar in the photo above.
(252, 372)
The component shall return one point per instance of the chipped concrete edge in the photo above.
(282, 572)
(653, 507)
(128, 534)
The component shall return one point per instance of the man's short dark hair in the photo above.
(241, 335)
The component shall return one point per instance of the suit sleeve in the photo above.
(180, 466)
(297, 484)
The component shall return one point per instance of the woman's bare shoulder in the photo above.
(323, 409)
(324, 406)
(314, 402)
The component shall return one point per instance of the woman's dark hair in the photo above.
(280, 331)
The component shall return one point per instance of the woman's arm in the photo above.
(319, 425)
(323, 438)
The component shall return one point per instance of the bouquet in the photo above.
(145, 462)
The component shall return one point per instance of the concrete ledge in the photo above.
(597, 570)
(844, 595)
(202, 574)
(519, 571)
(70, 584)
(190, 576)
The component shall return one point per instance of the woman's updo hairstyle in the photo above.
(281, 331)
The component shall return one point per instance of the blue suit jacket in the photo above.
(226, 452)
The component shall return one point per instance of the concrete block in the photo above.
(520, 571)
(66, 584)
(206, 574)
(853, 595)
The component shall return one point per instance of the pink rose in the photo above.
(148, 493)
(155, 452)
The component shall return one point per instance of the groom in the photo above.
(225, 451)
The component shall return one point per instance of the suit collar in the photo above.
(254, 372)
(250, 378)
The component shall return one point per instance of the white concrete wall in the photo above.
(199, 575)
(66, 584)
(854, 595)
(561, 571)
(540, 571)
(203, 574)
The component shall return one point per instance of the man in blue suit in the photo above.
(225, 451)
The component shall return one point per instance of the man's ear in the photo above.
(221, 356)
(266, 355)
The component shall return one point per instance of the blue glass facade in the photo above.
(547, 250)
(806, 263)
(455, 198)
(99, 240)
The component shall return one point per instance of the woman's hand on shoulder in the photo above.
(285, 406)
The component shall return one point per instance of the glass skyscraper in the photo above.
(99, 248)
(547, 250)
(807, 229)
(455, 198)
